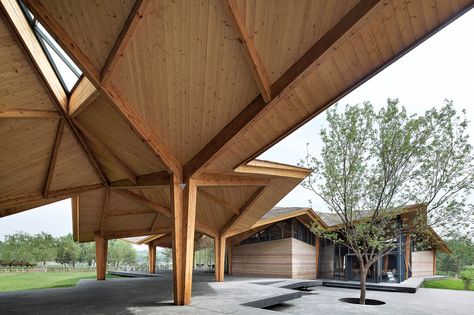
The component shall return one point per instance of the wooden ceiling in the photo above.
(192, 88)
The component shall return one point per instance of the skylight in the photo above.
(66, 70)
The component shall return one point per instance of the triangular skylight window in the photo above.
(66, 70)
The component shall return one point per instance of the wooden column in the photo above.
(183, 218)
(229, 258)
(407, 254)
(219, 258)
(434, 261)
(317, 247)
(100, 255)
(151, 258)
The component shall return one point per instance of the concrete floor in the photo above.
(154, 295)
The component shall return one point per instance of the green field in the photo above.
(450, 284)
(14, 281)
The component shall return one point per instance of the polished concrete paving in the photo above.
(153, 295)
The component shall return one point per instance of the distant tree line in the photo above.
(461, 258)
(23, 249)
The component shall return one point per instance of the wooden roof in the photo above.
(192, 88)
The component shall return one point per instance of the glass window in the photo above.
(66, 70)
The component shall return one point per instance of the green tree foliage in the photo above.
(87, 253)
(467, 277)
(120, 252)
(373, 163)
(22, 247)
(462, 248)
(67, 252)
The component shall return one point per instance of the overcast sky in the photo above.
(440, 68)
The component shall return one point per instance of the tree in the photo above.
(121, 252)
(44, 247)
(462, 248)
(67, 251)
(87, 253)
(372, 164)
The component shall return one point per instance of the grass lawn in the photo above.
(450, 284)
(14, 281)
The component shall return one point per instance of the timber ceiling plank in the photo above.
(72, 169)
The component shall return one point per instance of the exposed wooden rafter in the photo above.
(52, 161)
(105, 150)
(36, 56)
(143, 201)
(83, 95)
(25, 113)
(230, 180)
(155, 221)
(136, 232)
(224, 232)
(256, 66)
(220, 201)
(143, 181)
(243, 120)
(137, 13)
(105, 210)
(125, 213)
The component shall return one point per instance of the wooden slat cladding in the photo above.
(391, 31)
(94, 24)
(267, 259)
(185, 61)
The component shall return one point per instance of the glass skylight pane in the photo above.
(68, 77)
(56, 47)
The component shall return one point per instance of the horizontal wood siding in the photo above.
(267, 259)
(304, 260)
(422, 263)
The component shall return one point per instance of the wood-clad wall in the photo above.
(422, 263)
(267, 259)
(285, 258)
(304, 260)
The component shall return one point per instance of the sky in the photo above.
(440, 68)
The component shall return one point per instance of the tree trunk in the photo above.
(363, 276)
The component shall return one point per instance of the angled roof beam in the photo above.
(224, 232)
(107, 152)
(256, 66)
(219, 201)
(206, 229)
(120, 103)
(28, 41)
(105, 210)
(82, 96)
(257, 106)
(143, 181)
(130, 212)
(210, 180)
(28, 113)
(52, 161)
(136, 232)
(137, 13)
(144, 201)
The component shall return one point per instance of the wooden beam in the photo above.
(434, 261)
(143, 201)
(82, 96)
(142, 129)
(144, 181)
(229, 180)
(138, 11)
(236, 218)
(155, 221)
(67, 192)
(105, 150)
(130, 212)
(28, 113)
(219, 258)
(105, 210)
(100, 255)
(256, 167)
(135, 232)
(37, 57)
(75, 205)
(258, 106)
(64, 39)
(407, 255)
(256, 66)
(221, 202)
(229, 258)
(151, 258)
(183, 220)
(52, 160)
